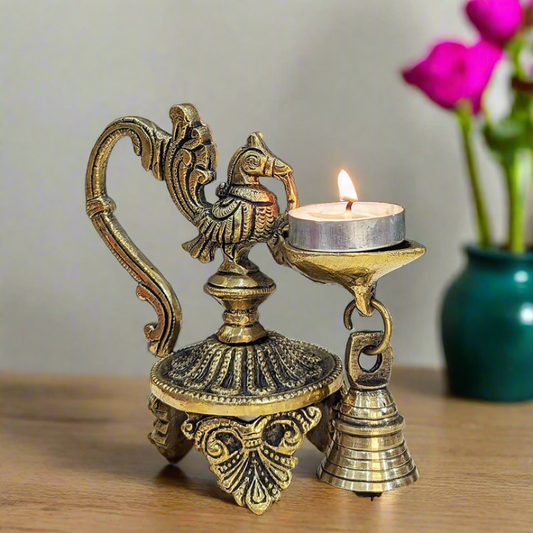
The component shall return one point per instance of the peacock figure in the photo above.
(246, 212)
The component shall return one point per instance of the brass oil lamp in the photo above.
(247, 397)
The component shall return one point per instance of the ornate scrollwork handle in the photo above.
(150, 143)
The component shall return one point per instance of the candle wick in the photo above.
(349, 207)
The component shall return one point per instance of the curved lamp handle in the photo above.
(150, 143)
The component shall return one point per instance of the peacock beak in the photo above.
(281, 170)
(276, 168)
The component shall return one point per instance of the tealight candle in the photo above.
(348, 225)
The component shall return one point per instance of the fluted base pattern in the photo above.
(368, 453)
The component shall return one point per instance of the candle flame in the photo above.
(346, 189)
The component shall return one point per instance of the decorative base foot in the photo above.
(252, 460)
(167, 435)
(322, 434)
(368, 453)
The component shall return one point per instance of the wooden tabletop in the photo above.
(74, 457)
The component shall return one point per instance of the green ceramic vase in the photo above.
(487, 327)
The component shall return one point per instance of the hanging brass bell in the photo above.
(368, 453)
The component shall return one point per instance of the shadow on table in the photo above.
(51, 423)
(172, 476)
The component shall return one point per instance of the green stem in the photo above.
(464, 114)
(517, 173)
(515, 50)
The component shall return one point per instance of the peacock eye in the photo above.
(253, 161)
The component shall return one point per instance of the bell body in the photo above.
(368, 453)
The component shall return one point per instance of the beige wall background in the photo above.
(320, 79)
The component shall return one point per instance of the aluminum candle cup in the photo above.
(332, 227)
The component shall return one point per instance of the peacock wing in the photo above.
(233, 219)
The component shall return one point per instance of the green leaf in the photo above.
(506, 137)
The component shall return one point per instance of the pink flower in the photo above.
(496, 20)
(453, 72)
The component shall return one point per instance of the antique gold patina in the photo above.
(246, 397)
(358, 272)
(243, 370)
(271, 375)
(366, 452)
(253, 461)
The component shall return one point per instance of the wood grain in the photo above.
(74, 458)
